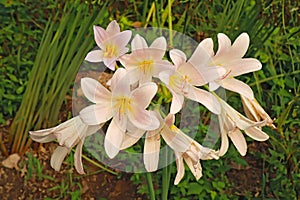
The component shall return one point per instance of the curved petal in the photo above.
(243, 66)
(94, 91)
(78, 157)
(151, 150)
(196, 169)
(159, 43)
(224, 138)
(205, 98)
(238, 140)
(174, 140)
(224, 44)
(177, 57)
(143, 119)
(138, 42)
(256, 134)
(180, 168)
(42, 139)
(119, 74)
(160, 66)
(237, 86)
(58, 157)
(143, 95)
(202, 54)
(131, 138)
(94, 56)
(113, 139)
(240, 45)
(213, 85)
(100, 35)
(119, 40)
(96, 114)
(113, 28)
(110, 63)
(177, 102)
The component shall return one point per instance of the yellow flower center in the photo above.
(122, 105)
(110, 51)
(146, 66)
(180, 82)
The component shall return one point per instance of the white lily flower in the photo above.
(191, 155)
(145, 62)
(121, 104)
(68, 134)
(231, 58)
(153, 141)
(112, 44)
(186, 75)
(231, 123)
(255, 112)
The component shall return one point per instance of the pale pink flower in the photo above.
(153, 141)
(121, 104)
(68, 134)
(112, 44)
(231, 123)
(191, 152)
(255, 112)
(145, 62)
(186, 75)
(231, 58)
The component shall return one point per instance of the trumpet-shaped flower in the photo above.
(192, 153)
(231, 58)
(186, 75)
(145, 62)
(121, 104)
(69, 134)
(255, 112)
(231, 123)
(112, 44)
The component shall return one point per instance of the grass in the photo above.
(273, 27)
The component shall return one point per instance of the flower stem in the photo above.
(165, 177)
(150, 186)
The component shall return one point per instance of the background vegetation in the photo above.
(274, 29)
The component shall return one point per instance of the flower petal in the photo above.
(159, 43)
(78, 158)
(138, 42)
(113, 28)
(177, 57)
(238, 140)
(224, 138)
(58, 157)
(243, 66)
(177, 102)
(240, 45)
(256, 134)
(196, 169)
(202, 54)
(94, 56)
(131, 138)
(237, 86)
(143, 119)
(151, 150)
(180, 168)
(143, 95)
(213, 85)
(96, 114)
(94, 91)
(205, 98)
(224, 44)
(113, 139)
(100, 35)
(175, 140)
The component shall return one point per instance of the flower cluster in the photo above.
(124, 101)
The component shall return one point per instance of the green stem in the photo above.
(165, 178)
(150, 186)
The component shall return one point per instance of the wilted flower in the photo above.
(186, 75)
(145, 62)
(112, 44)
(68, 134)
(231, 123)
(121, 104)
(230, 57)
(255, 112)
